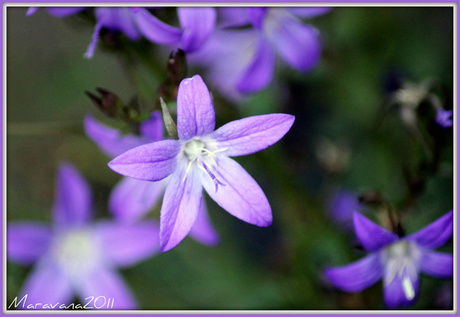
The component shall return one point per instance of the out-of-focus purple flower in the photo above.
(57, 11)
(76, 256)
(397, 260)
(200, 158)
(196, 26)
(246, 58)
(444, 118)
(342, 206)
(131, 198)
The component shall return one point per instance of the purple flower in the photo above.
(397, 260)
(200, 158)
(246, 58)
(131, 198)
(196, 26)
(76, 256)
(444, 118)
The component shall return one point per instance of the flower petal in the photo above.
(256, 16)
(241, 196)
(401, 291)
(195, 112)
(155, 30)
(356, 276)
(111, 141)
(152, 129)
(197, 24)
(297, 43)
(435, 234)
(259, 72)
(150, 162)
(371, 235)
(181, 204)
(118, 19)
(125, 245)
(31, 11)
(203, 231)
(26, 242)
(308, 12)
(131, 198)
(437, 264)
(252, 134)
(104, 284)
(64, 11)
(47, 284)
(72, 206)
(94, 39)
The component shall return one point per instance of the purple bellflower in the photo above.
(397, 260)
(196, 26)
(444, 118)
(246, 58)
(201, 158)
(131, 198)
(76, 256)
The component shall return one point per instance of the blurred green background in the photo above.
(342, 139)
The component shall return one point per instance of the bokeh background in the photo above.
(345, 138)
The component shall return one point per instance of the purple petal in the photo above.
(297, 43)
(92, 45)
(118, 19)
(26, 242)
(241, 196)
(232, 17)
(435, 234)
(308, 12)
(181, 204)
(341, 208)
(397, 294)
(152, 129)
(106, 284)
(149, 162)
(126, 245)
(356, 276)
(437, 264)
(155, 30)
(203, 231)
(31, 11)
(258, 74)
(256, 16)
(252, 134)
(47, 284)
(197, 24)
(444, 118)
(195, 112)
(64, 11)
(371, 235)
(131, 198)
(72, 206)
(111, 141)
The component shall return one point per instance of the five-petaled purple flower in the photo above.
(77, 256)
(444, 118)
(131, 198)
(246, 58)
(397, 260)
(200, 158)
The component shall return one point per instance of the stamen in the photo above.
(186, 171)
(408, 288)
(214, 178)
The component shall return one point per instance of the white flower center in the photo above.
(76, 252)
(196, 151)
(402, 259)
